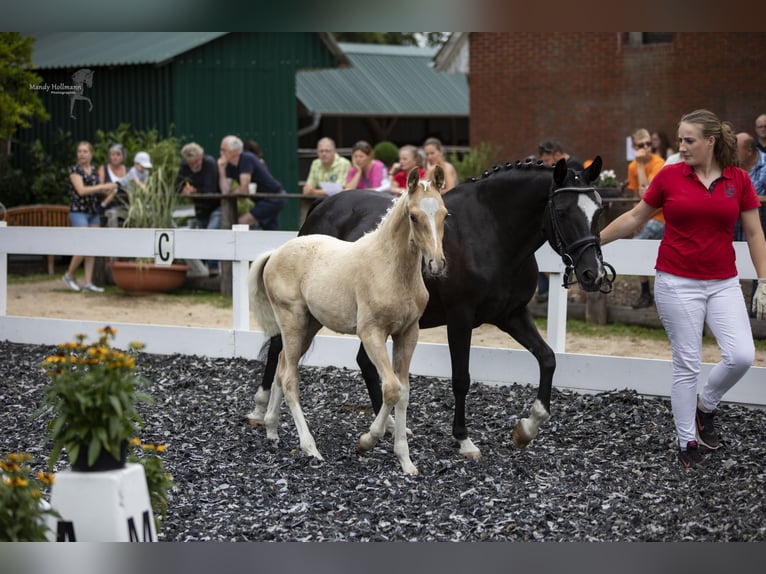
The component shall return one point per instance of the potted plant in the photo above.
(152, 206)
(22, 508)
(92, 402)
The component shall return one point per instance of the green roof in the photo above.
(78, 49)
(384, 81)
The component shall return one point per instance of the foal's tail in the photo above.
(259, 301)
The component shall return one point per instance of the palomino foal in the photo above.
(372, 287)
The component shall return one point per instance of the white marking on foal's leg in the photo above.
(526, 429)
(271, 420)
(256, 416)
(468, 449)
(308, 445)
(390, 426)
(377, 429)
(401, 448)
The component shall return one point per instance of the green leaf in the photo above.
(116, 404)
(94, 449)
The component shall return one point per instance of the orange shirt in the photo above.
(653, 166)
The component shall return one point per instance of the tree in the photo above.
(18, 101)
(393, 38)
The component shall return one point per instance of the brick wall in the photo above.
(591, 90)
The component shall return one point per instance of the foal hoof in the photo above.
(254, 422)
(520, 440)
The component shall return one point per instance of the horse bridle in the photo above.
(571, 253)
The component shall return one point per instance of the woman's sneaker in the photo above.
(91, 287)
(70, 282)
(706, 432)
(692, 456)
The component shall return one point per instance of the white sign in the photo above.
(164, 240)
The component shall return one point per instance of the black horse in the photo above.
(495, 225)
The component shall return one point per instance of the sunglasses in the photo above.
(643, 144)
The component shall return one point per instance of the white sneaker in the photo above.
(91, 287)
(70, 282)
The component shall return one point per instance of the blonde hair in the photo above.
(414, 152)
(639, 134)
(725, 148)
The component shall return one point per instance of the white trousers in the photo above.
(684, 306)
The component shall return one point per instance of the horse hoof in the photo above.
(469, 450)
(519, 441)
(254, 422)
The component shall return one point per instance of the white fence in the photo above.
(574, 371)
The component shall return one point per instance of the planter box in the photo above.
(146, 278)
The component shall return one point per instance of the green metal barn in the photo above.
(202, 85)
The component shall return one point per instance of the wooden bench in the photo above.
(39, 216)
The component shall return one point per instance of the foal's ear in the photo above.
(412, 179)
(438, 175)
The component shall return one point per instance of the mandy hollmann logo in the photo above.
(76, 90)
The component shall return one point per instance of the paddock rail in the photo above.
(580, 372)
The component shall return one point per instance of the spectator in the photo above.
(754, 163)
(760, 133)
(696, 280)
(197, 177)
(245, 167)
(435, 156)
(114, 170)
(661, 145)
(366, 172)
(640, 172)
(551, 151)
(409, 158)
(328, 167)
(254, 147)
(140, 170)
(85, 187)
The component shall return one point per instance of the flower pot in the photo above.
(145, 278)
(104, 461)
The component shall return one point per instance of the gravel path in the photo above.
(602, 469)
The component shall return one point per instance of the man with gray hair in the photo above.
(197, 177)
(246, 168)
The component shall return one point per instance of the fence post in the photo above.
(3, 276)
(239, 290)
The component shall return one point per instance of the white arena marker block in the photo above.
(109, 506)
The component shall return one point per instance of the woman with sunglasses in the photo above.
(640, 172)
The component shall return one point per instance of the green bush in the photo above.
(163, 151)
(387, 152)
(50, 168)
(475, 162)
(14, 185)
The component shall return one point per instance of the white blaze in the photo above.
(430, 206)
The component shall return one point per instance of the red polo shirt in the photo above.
(699, 223)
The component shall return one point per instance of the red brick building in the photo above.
(591, 90)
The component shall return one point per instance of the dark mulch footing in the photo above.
(603, 468)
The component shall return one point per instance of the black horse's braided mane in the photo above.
(518, 164)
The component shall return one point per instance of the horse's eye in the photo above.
(413, 218)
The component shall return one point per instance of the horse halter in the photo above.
(571, 253)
